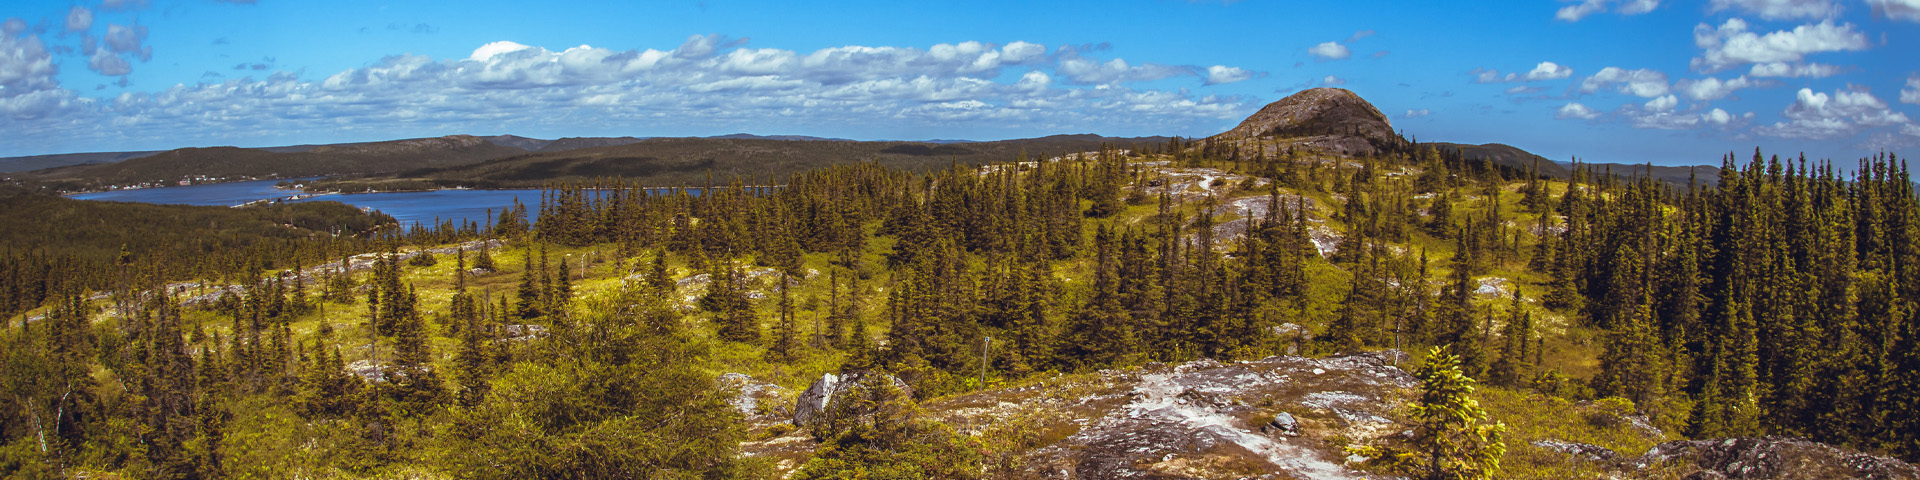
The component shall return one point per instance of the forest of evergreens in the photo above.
(1782, 301)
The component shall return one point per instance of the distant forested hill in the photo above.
(231, 162)
(695, 161)
(1513, 157)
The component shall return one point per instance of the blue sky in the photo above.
(1662, 81)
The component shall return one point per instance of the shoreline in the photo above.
(304, 194)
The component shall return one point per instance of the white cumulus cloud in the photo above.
(28, 88)
(1711, 88)
(1583, 8)
(1732, 44)
(1779, 9)
(1488, 75)
(1644, 83)
(128, 40)
(1818, 116)
(1549, 71)
(1911, 94)
(1576, 110)
(1332, 81)
(1784, 69)
(1542, 71)
(79, 19)
(1858, 106)
(1330, 51)
(1717, 117)
(108, 63)
(1089, 71)
(1577, 11)
(1416, 113)
(1663, 114)
(1636, 7)
(110, 56)
(25, 65)
(1908, 10)
(1222, 74)
(1661, 104)
(490, 50)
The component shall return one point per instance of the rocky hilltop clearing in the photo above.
(1281, 417)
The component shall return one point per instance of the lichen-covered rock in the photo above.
(1278, 417)
(523, 333)
(1584, 451)
(1774, 458)
(754, 398)
(368, 370)
(1282, 424)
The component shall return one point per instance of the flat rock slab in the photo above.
(1775, 458)
(1203, 419)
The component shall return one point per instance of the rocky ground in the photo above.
(1282, 417)
(1778, 458)
(1278, 417)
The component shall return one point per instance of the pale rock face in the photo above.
(814, 402)
(1774, 458)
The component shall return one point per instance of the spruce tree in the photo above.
(1634, 363)
(483, 261)
(411, 379)
(659, 278)
(838, 317)
(783, 347)
(1359, 310)
(528, 304)
(1441, 223)
(1102, 334)
(1899, 391)
(471, 361)
(1515, 362)
(1452, 438)
(733, 312)
(861, 352)
(1453, 317)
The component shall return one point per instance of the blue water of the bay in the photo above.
(459, 206)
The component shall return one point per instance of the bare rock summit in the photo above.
(1332, 120)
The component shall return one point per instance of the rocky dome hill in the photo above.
(1333, 120)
